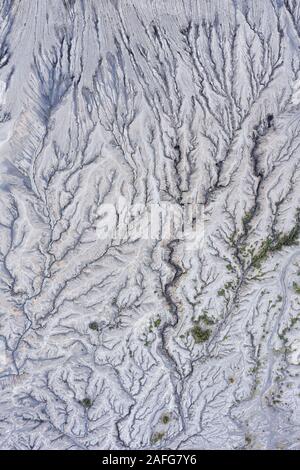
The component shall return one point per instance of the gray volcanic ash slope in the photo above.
(120, 340)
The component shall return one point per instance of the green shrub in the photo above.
(206, 319)
(94, 326)
(156, 437)
(165, 419)
(199, 334)
(296, 288)
(247, 218)
(86, 402)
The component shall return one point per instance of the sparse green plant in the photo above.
(199, 334)
(228, 285)
(165, 419)
(276, 243)
(206, 319)
(86, 402)
(94, 326)
(296, 288)
(156, 437)
(247, 218)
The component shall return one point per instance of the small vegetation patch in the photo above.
(247, 218)
(276, 243)
(205, 319)
(156, 437)
(86, 402)
(296, 288)
(94, 326)
(165, 419)
(199, 334)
